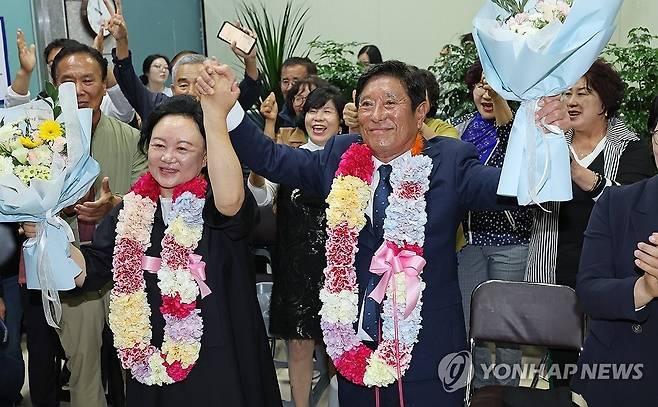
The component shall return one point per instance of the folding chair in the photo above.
(264, 247)
(525, 314)
(264, 294)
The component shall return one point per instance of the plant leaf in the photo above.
(52, 91)
(278, 38)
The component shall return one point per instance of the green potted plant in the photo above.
(337, 64)
(450, 69)
(277, 39)
(637, 63)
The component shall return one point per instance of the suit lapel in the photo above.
(644, 217)
(367, 236)
(432, 151)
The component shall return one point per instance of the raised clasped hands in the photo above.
(94, 211)
(217, 88)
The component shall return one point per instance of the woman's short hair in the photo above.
(606, 81)
(473, 75)
(412, 83)
(312, 81)
(146, 66)
(374, 56)
(318, 98)
(179, 105)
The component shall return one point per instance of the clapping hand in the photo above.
(95, 211)
(646, 258)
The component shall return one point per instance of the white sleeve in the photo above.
(234, 117)
(14, 99)
(264, 195)
(116, 105)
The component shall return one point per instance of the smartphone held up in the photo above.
(230, 34)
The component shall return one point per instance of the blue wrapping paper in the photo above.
(47, 262)
(536, 167)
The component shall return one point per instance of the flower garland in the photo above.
(180, 276)
(398, 260)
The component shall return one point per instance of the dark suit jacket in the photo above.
(621, 218)
(458, 183)
(144, 101)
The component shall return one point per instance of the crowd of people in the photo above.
(172, 190)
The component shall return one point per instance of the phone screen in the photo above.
(230, 33)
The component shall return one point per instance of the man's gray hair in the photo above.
(187, 59)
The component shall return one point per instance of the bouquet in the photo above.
(45, 166)
(528, 50)
(32, 150)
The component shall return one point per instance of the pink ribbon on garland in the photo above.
(387, 261)
(196, 266)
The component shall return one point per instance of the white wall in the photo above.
(413, 31)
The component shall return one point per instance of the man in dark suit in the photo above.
(392, 106)
(617, 286)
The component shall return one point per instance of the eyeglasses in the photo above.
(298, 100)
(654, 137)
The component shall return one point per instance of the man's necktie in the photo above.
(371, 309)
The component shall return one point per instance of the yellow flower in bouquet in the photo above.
(29, 142)
(50, 130)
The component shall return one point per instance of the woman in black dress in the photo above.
(300, 258)
(234, 365)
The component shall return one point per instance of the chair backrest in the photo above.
(264, 294)
(527, 313)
